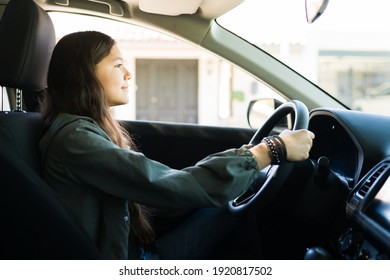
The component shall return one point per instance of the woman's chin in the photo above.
(119, 103)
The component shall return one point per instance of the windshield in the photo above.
(346, 51)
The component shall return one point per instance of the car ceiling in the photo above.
(190, 20)
(206, 9)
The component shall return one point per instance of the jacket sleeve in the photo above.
(89, 157)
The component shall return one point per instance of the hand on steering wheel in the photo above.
(273, 177)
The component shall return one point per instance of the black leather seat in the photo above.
(20, 133)
(35, 224)
(28, 38)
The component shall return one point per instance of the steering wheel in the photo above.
(273, 177)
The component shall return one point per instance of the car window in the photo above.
(174, 81)
(346, 51)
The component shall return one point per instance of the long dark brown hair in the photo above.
(73, 88)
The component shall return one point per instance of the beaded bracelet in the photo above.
(282, 146)
(276, 148)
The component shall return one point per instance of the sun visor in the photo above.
(169, 7)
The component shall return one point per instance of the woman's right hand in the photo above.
(298, 144)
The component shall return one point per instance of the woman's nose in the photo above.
(127, 74)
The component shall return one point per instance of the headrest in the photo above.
(27, 39)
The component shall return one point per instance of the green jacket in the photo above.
(96, 179)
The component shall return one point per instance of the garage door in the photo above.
(167, 90)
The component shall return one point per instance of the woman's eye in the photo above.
(119, 65)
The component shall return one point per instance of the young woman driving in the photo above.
(94, 166)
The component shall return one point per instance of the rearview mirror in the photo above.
(314, 9)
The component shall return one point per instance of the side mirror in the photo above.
(314, 9)
(259, 110)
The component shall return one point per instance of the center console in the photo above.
(368, 209)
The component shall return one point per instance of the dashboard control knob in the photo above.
(346, 243)
(349, 244)
(317, 253)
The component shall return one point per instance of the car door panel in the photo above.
(182, 145)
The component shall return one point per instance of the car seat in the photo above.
(35, 224)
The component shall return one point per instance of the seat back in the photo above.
(28, 39)
(35, 224)
(20, 133)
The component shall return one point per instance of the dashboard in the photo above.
(357, 148)
(369, 208)
(334, 141)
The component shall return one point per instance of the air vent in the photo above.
(366, 186)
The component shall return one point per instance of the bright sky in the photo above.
(286, 18)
